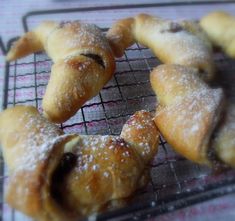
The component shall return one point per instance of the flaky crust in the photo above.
(188, 110)
(195, 28)
(83, 64)
(171, 42)
(23, 128)
(32, 148)
(66, 177)
(220, 27)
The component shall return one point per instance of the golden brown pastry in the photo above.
(66, 177)
(224, 141)
(171, 42)
(83, 64)
(194, 28)
(220, 27)
(188, 110)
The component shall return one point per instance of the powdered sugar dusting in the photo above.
(188, 47)
(84, 34)
(76, 89)
(192, 102)
(140, 131)
(35, 154)
(173, 44)
(76, 40)
(94, 150)
(35, 141)
(193, 110)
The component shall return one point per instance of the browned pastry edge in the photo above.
(220, 26)
(171, 42)
(104, 168)
(188, 110)
(83, 64)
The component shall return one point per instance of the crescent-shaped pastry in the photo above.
(60, 177)
(188, 110)
(220, 27)
(171, 42)
(83, 64)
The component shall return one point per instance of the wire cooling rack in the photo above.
(175, 182)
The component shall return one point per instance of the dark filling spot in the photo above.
(201, 72)
(67, 163)
(173, 28)
(96, 58)
(63, 23)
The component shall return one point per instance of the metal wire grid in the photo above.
(172, 177)
(27, 82)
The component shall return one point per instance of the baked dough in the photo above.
(60, 177)
(194, 28)
(171, 42)
(83, 64)
(188, 110)
(224, 142)
(220, 27)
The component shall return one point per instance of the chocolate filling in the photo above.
(67, 163)
(173, 28)
(96, 58)
(63, 23)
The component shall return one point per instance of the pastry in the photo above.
(224, 137)
(188, 110)
(220, 27)
(194, 28)
(171, 42)
(83, 64)
(58, 177)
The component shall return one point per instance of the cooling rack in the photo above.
(175, 182)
